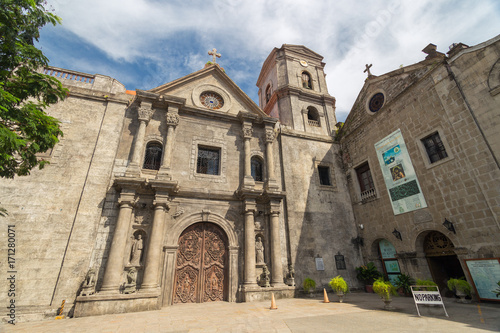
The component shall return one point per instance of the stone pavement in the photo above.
(361, 312)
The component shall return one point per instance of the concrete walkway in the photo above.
(361, 312)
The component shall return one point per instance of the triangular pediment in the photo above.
(302, 51)
(211, 79)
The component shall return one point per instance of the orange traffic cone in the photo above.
(325, 296)
(273, 303)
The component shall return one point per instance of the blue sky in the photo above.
(146, 43)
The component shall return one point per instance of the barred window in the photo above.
(208, 161)
(434, 147)
(257, 169)
(152, 158)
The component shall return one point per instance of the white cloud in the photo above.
(348, 35)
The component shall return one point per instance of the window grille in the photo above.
(434, 147)
(256, 169)
(208, 161)
(152, 159)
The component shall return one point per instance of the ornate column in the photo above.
(277, 269)
(114, 267)
(152, 265)
(250, 243)
(271, 178)
(145, 111)
(172, 119)
(247, 131)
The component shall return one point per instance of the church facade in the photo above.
(190, 192)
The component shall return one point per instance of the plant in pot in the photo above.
(385, 290)
(339, 285)
(309, 285)
(404, 283)
(429, 284)
(461, 288)
(368, 274)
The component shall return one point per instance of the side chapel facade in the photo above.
(190, 192)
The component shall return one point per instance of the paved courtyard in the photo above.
(361, 312)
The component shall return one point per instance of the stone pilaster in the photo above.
(145, 111)
(247, 131)
(172, 120)
(114, 267)
(250, 207)
(152, 266)
(272, 184)
(277, 269)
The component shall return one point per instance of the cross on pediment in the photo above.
(214, 54)
(368, 70)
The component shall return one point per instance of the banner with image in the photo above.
(399, 176)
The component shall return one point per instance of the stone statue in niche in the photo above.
(136, 252)
(290, 280)
(131, 285)
(264, 277)
(259, 251)
(88, 287)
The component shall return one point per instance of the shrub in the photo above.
(384, 288)
(405, 282)
(432, 285)
(459, 285)
(309, 284)
(368, 273)
(338, 284)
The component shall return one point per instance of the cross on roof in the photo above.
(214, 54)
(368, 70)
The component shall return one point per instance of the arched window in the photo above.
(313, 116)
(268, 93)
(257, 169)
(152, 158)
(306, 80)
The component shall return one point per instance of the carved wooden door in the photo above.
(201, 273)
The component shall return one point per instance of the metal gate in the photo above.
(201, 268)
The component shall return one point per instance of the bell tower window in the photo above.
(306, 80)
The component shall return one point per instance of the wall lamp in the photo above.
(397, 234)
(449, 225)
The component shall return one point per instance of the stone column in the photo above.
(172, 119)
(150, 280)
(114, 267)
(145, 112)
(271, 178)
(250, 243)
(277, 269)
(248, 181)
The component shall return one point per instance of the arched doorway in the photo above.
(443, 262)
(201, 271)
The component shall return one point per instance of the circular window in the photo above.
(211, 100)
(376, 102)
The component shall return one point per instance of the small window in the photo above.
(208, 161)
(434, 147)
(268, 93)
(365, 178)
(376, 102)
(152, 158)
(313, 116)
(306, 80)
(257, 169)
(324, 175)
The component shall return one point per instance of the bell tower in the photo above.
(292, 88)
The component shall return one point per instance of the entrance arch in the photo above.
(442, 260)
(201, 273)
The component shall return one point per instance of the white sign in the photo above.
(427, 297)
(320, 265)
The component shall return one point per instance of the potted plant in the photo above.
(404, 283)
(461, 287)
(309, 285)
(385, 290)
(368, 274)
(429, 284)
(339, 285)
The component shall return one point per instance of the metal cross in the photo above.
(368, 70)
(214, 54)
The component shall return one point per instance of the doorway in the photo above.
(201, 267)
